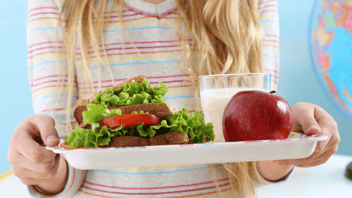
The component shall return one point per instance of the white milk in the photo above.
(213, 103)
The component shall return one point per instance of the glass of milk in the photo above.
(217, 90)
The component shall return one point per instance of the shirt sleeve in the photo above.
(74, 182)
(280, 180)
(44, 72)
(269, 19)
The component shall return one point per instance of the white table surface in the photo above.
(324, 181)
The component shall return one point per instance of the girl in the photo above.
(78, 47)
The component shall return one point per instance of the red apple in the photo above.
(256, 115)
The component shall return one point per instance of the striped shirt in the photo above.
(149, 27)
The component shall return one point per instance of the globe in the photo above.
(330, 37)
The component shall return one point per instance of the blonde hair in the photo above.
(225, 36)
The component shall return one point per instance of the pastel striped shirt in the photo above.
(149, 27)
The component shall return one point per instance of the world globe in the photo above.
(330, 37)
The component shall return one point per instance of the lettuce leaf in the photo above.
(93, 138)
(96, 112)
(192, 124)
(133, 93)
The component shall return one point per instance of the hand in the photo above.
(312, 119)
(29, 160)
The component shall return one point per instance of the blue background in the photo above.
(297, 82)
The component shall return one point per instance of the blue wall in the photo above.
(297, 82)
(15, 96)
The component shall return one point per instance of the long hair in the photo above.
(223, 35)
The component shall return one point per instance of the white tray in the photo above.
(296, 146)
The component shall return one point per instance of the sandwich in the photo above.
(133, 113)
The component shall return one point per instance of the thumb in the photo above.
(311, 128)
(304, 116)
(45, 124)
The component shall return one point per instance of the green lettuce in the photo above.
(96, 112)
(192, 124)
(133, 93)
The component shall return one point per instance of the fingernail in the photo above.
(51, 138)
(313, 129)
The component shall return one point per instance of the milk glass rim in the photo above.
(241, 74)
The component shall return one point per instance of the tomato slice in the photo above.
(129, 120)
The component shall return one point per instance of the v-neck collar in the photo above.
(160, 10)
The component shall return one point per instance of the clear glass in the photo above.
(217, 90)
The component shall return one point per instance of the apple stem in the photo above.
(272, 92)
